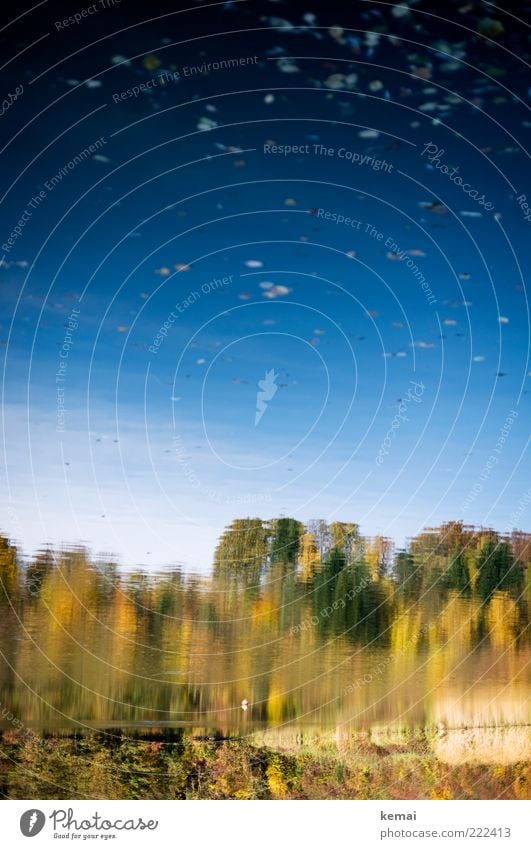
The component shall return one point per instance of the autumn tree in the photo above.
(10, 624)
(285, 540)
(322, 536)
(243, 546)
(458, 577)
(345, 536)
(379, 557)
(9, 570)
(497, 569)
(38, 569)
(520, 543)
(408, 574)
(309, 557)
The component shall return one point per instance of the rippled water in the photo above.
(91, 648)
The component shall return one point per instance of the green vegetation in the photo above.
(177, 765)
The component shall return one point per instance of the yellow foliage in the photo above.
(8, 569)
(275, 779)
(379, 556)
(309, 557)
(124, 615)
(263, 611)
(502, 620)
(275, 705)
(522, 785)
(405, 632)
(443, 793)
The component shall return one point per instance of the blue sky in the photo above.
(160, 448)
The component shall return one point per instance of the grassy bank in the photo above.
(179, 765)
